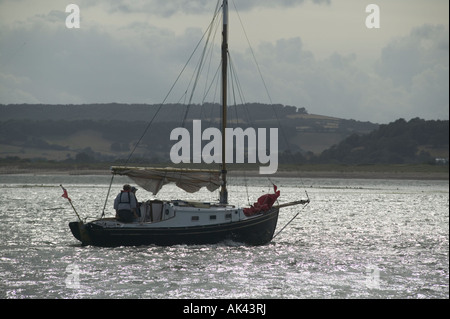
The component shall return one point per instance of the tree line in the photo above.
(398, 142)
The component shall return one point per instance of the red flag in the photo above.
(65, 195)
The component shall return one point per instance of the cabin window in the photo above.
(195, 218)
(212, 217)
(228, 216)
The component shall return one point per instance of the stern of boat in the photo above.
(80, 232)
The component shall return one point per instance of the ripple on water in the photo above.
(357, 239)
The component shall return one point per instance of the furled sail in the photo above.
(153, 179)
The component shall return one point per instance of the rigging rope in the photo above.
(283, 133)
(107, 195)
(160, 105)
(200, 63)
(282, 228)
(168, 94)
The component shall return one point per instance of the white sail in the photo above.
(153, 179)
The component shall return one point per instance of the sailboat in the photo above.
(172, 222)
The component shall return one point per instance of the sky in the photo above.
(316, 54)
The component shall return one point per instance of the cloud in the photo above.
(89, 65)
(404, 58)
(418, 64)
(409, 80)
(429, 92)
(252, 4)
(137, 61)
(11, 89)
(168, 8)
(333, 86)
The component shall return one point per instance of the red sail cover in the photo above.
(264, 203)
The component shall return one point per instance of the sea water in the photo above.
(356, 239)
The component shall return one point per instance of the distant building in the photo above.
(441, 161)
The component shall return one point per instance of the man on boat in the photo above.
(125, 205)
(138, 205)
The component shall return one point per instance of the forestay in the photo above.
(153, 179)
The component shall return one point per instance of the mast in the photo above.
(223, 189)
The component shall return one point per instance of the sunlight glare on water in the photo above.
(356, 239)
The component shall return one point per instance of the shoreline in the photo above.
(331, 173)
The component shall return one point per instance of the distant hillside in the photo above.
(108, 131)
(416, 141)
(250, 112)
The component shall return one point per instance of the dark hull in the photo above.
(258, 230)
